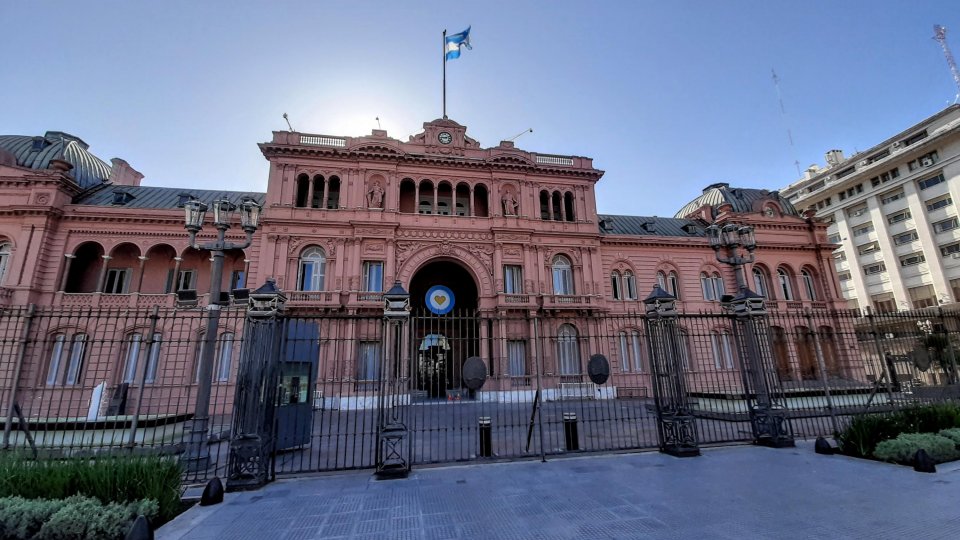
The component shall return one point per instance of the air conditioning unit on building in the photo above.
(863, 163)
(896, 146)
(926, 162)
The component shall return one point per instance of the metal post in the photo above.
(486, 439)
(952, 379)
(822, 366)
(394, 450)
(154, 317)
(876, 342)
(198, 454)
(15, 380)
(571, 437)
(538, 367)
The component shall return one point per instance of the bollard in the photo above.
(486, 442)
(570, 435)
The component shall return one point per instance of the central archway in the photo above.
(442, 341)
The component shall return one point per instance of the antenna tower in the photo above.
(786, 124)
(940, 34)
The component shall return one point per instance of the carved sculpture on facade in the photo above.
(511, 205)
(375, 195)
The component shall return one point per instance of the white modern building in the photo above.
(892, 214)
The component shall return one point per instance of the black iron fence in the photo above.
(88, 381)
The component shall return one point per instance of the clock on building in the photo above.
(445, 137)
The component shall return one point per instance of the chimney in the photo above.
(122, 174)
(834, 157)
(506, 144)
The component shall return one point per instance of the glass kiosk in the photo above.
(298, 374)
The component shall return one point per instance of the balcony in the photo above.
(516, 300)
(314, 298)
(130, 300)
(567, 301)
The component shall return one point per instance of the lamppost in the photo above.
(393, 444)
(198, 455)
(760, 380)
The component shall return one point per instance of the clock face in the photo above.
(445, 137)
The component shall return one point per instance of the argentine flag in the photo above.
(454, 42)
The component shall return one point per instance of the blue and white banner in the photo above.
(455, 42)
(440, 300)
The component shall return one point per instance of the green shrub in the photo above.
(73, 518)
(120, 479)
(865, 432)
(953, 434)
(904, 447)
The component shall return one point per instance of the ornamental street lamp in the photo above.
(198, 455)
(761, 382)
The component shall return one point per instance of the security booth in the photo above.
(297, 377)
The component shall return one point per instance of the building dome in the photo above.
(743, 200)
(37, 153)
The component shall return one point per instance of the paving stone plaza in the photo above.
(727, 493)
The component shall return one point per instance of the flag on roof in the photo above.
(455, 42)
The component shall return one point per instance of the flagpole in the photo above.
(443, 50)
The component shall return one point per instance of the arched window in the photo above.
(313, 266)
(135, 350)
(630, 285)
(562, 275)
(722, 350)
(333, 193)
(318, 184)
(557, 206)
(785, 288)
(5, 249)
(66, 359)
(544, 205)
(808, 284)
(303, 191)
(615, 284)
(568, 350)
(712, 285)
(760, 283)
(662, 280)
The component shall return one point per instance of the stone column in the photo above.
(176, 274)
(66, 271)
(101, 280)
(471, 212)
(143, 260)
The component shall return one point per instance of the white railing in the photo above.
(577, 390)
(318, 140)
(554, 160)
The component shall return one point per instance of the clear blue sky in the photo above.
(666, 97)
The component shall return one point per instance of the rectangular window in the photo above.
(517, 356)
(891, 196)
(512, 279)
(133, 353)
(863, 229)
(938, 203)
(917, 137)
(955, 287)
(636, 351)
(897, 217)
(872, 269)
(885, 177)
(905, 238)
(844, 276)
(372, 276)
(117, 281)
(884, 303)
(238, 279)
(946, 225)
(224, 357)
(950, 249)
(840, 256)
(846, 172)
(77, 348)
(922, 297)
(834, 238)
(925, 160)
(722, 356)
(912, 259)
(368, 361)
(878, 156)
(857, 210)
(187, 280)
(153, 358)
(868, 248)
(930, 182)
(615, 285)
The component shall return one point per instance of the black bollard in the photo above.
(213, 493)
(141, 529)
(823, 447)
(486, 438)
(570, 435)
(922, 462)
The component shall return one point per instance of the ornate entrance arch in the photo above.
(423, 254)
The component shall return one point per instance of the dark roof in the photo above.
(741, 199)
(88, 170)
(649, 226)
(160, 197)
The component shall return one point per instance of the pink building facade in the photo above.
(510, 234)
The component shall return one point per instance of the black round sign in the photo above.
(598, 369)
(474, 373)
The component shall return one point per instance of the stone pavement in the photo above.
(731, 492)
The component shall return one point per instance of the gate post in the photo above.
(393, 437)
(254, 402)
(761, 384)
(676, 426)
